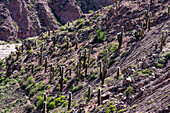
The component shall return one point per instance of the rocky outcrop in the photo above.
(7, 25)
(46, 16)
(87, 5)
(21, 16)
(27, 18)
(67, 10)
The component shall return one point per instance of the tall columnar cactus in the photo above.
(118, 73)
(142, 29)
(156, 46)
(41, 53)
(112, 11)
(44, 107)
(148, 16)
(120, 37)
(29, 44)
(45, 97)
(99, 97)
(80, 60)
(161, 46)
(107, 63)
(62, 78)
(85, 57)
(107, 18)
(60, 71)
(51, 65)
(51, 77)
(54, 40)
(53, 32)
(44, 110)
(103, 73)
(46, 63)
(70, 99)
(68, 39)
(18, 54)
(116, 1)
(32, 68)
(22, 47)
(100, 64)
(89, 93)
(52, 70)
(49, 32)
(78, 69)
(90, 48)
(70, 72)
(165, 37)
(68, 23)
(106, 55)
(149, 21)
(76, 43)
(106, 73)
(137, 33)
(86, 69)
(35, 42)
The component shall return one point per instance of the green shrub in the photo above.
(39, 68)
(2, 79)
(64, 104)
(40, 101)
(33, 90)
(93, 77)
(129, 91)
(147, 71)
(30, 52)
(59, 100)
(168, 55)
(90, 11)
(17, 41)
(74, 89)
(160, 65)
(112, 48)
(7, 80)
(64, 45)
(100, 36)
(51, 106)
(30, 80)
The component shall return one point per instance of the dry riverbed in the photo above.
(6, 49)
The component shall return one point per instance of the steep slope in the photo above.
(23, 19)
(143, 81)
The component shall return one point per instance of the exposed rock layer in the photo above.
(27, 18)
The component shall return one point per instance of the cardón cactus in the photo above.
(120, 36)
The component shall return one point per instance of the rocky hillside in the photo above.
(115, 59)
(27, 18)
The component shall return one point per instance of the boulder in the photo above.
(128, 80)
(106, 95)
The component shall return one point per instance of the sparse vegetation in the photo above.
(100, 36)
(129, 91)
(82, 66)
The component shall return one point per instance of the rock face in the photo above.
(65, 10)
(27, 18)
(87, 5)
